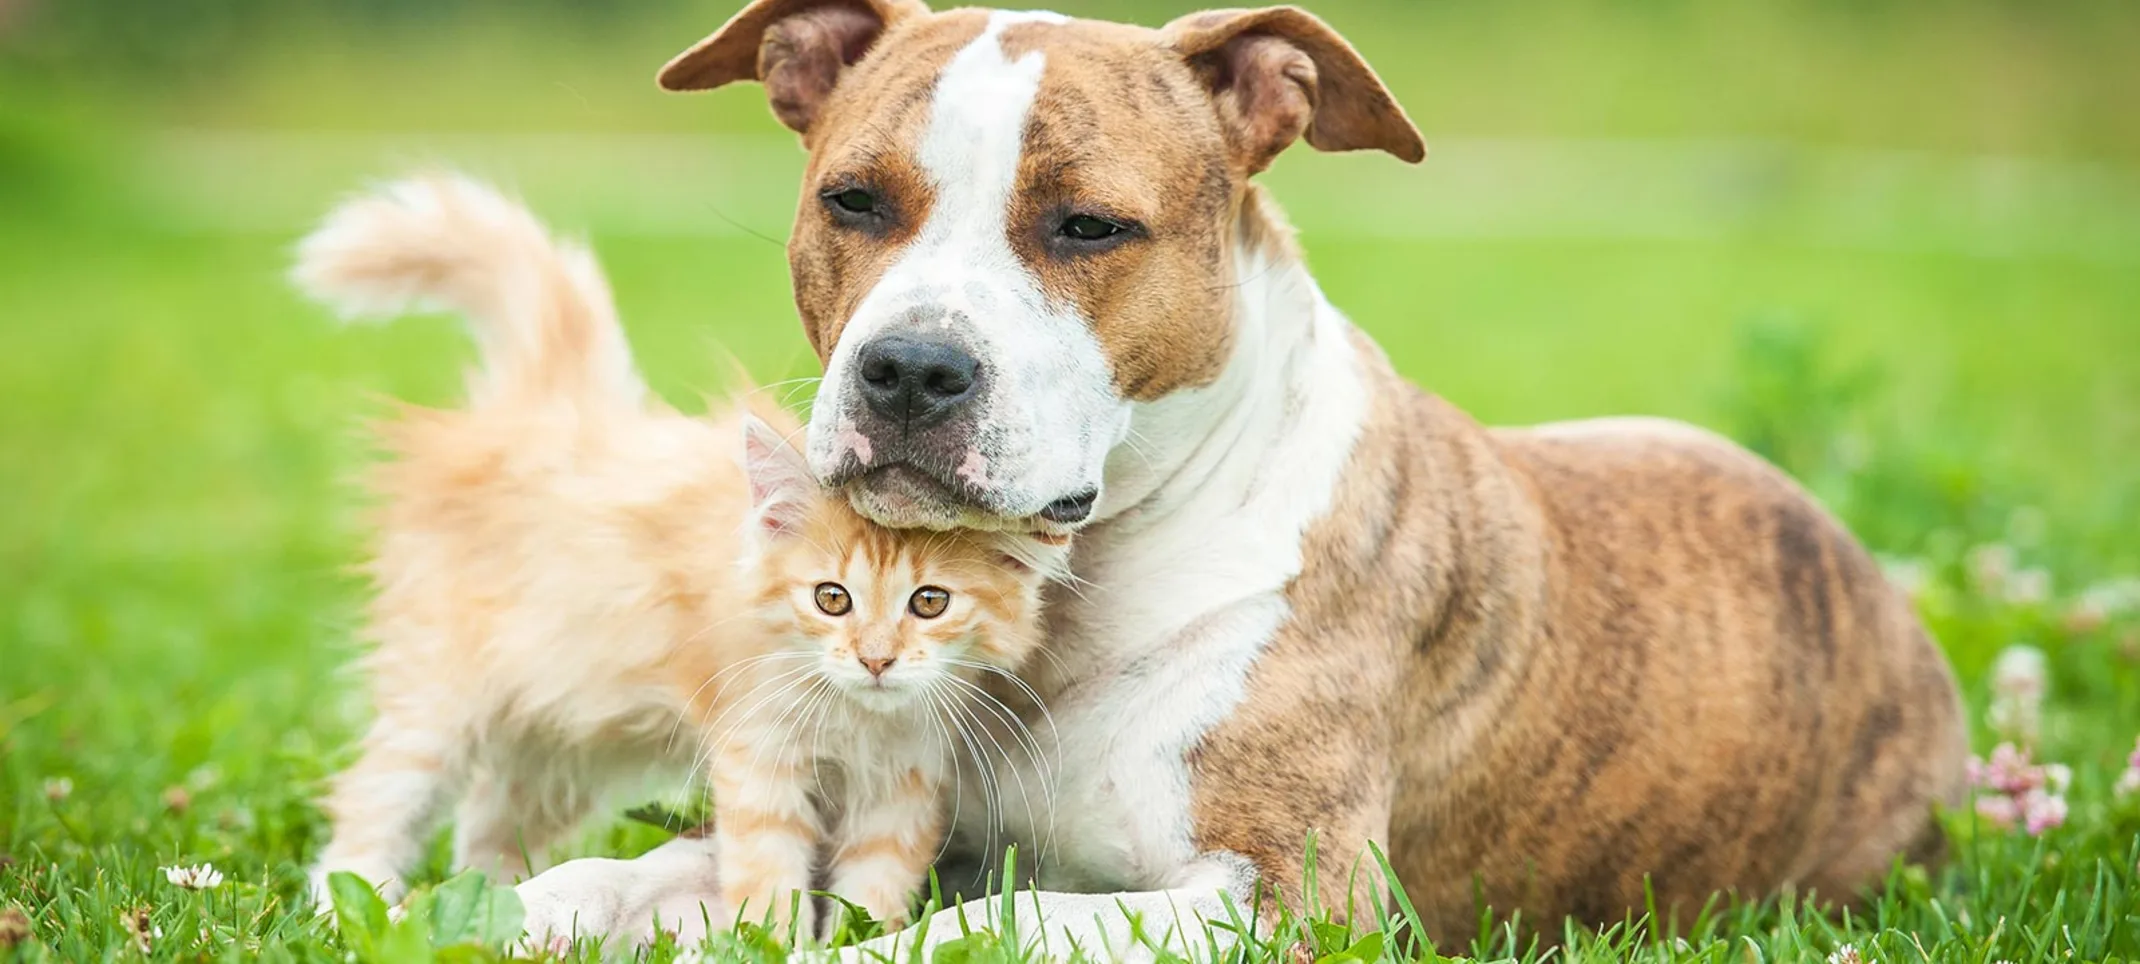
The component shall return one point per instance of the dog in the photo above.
(1560, 670)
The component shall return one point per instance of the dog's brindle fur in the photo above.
(1594, 656)
(1548, 668)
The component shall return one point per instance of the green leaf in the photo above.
(668, 818)
(1329, 936)
(408, 941)
(1007, 922)
(856, 924)
(358, 911)
(470, 910)
(1366, 950)
(760, 940)
(973, 948)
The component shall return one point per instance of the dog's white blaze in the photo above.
(1179, 599)
(1052, 413)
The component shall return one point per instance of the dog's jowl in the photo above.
(1535, 665)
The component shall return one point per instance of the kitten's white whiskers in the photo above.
(1032, 750)
(990, 789)
(927, 709)
(669, 744)
(794, 678)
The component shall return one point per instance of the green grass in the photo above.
(1898, 249)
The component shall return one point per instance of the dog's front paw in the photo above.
(620, 903)
(579, 898)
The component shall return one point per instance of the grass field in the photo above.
(1896, 248)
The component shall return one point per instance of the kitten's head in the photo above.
(888, 612)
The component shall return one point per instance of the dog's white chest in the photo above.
(1154, 646)
(1106, 804)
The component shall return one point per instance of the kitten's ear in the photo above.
(781, 485)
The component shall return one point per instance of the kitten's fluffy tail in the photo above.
(540, 307)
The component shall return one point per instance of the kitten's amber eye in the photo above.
(929, 602)
(833, 600)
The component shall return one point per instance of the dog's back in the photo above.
(1724, 693)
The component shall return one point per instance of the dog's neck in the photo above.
(1291, 374)
(1209, 501)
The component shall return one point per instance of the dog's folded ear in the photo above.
(797, 48)
(1279, 74)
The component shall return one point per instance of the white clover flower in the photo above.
(2019, 680)
(1846, 954)
(58, 789)
(1911, 576)
(2021, 670)
(2102, 602)
(202, 877)
(2029, 587)
(1990, 565)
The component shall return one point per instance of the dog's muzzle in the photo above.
(915, 450)
(936, 420)
(911, 384)
(911, 444)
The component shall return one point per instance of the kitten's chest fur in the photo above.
(855, 754)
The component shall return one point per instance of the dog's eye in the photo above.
(853, 200)
(1085, 227)
(929, 602)
(833, 600)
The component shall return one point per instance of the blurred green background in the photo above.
(1893, 245)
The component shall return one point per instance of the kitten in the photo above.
(576, 584)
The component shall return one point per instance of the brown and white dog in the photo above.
(1537, 667)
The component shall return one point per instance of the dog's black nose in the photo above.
(916, 382)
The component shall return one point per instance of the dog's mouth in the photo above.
(903, 495)
(904, 489)
(1071, 510)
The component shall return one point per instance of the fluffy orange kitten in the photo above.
(576, 584)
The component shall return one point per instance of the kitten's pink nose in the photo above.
(877, 667)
